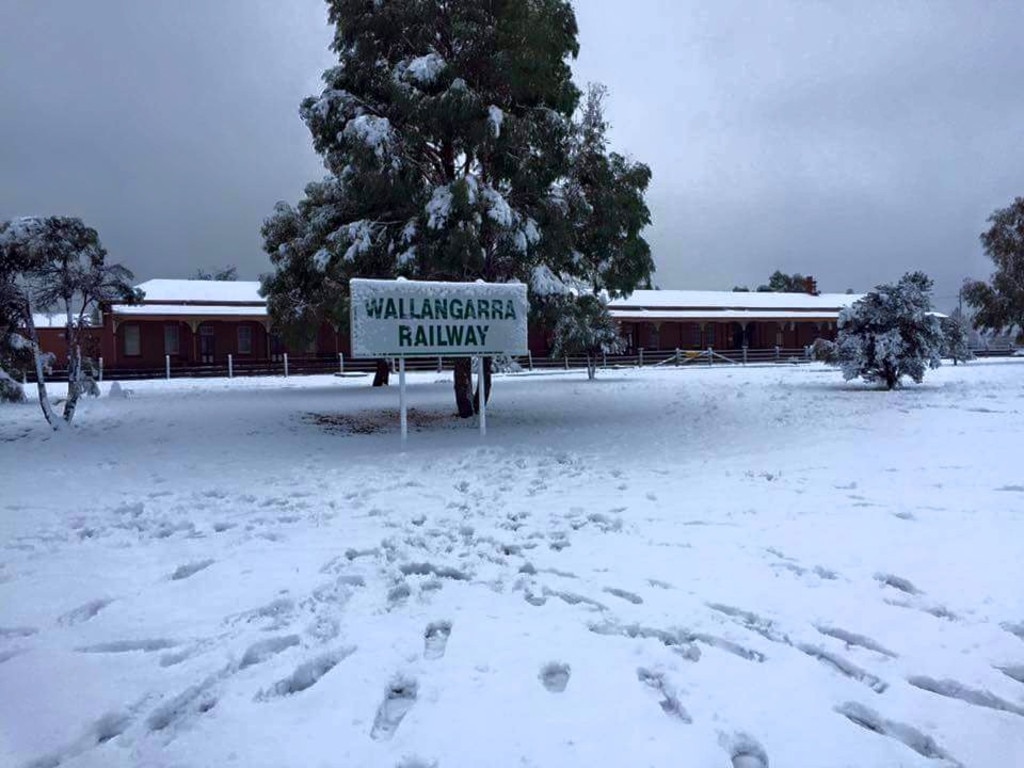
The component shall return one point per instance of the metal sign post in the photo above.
(482, 396)
(397, 319)
(403, 416)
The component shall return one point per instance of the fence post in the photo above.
(744, 354)
(231, 366)
(440, 364)
(286, 365)
(776, 353)
(677, 355)
(604, 358)
(567, 362)
(101, 370)
(167, 365)
(641, 357)
(341, 362)
(530, 354)
(711, 357)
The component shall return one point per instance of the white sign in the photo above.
(406, 318)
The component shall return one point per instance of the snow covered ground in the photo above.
(714, 567)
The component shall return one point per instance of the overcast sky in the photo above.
(849, 140)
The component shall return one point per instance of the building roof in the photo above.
(207, 291)
(258, 311)
(46, 320)
(734, 300)
(727, 306)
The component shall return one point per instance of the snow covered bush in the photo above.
(891, 333)
(956, 333)
(585, 327)
(10, 390)
(824, 351)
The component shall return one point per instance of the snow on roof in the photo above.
(41, 320)
(644, 315)
(733, 300)
(218, 291)
(190, 310)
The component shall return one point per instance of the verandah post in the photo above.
(286, 365)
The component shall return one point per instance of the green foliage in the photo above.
(999, 304)
(780, 282)
(228, 273)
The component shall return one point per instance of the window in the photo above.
(171, 340)
(245, 340)
(132, 341)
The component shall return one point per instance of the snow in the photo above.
(373, 131)
(648, 315)
(544, 282)
(49, 320)
(495, 118)
(425, 69)
(733, 300)
(664, 567)
(190, 310)
(439, 207)
(217, 291)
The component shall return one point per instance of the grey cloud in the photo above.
(851, 140)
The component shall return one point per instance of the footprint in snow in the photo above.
(669, 703)
(190, 569)
(435, 639)
(83, 612)
(555, 676)
(744, 750)
(399, 699)
(625, 595)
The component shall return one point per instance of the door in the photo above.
(206, 344)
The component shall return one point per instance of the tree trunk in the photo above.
(382, 375)
(74, 382)
(464, 386)
(486, 374)
(37, 355)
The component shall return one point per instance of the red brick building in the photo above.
(726, 320)
(201, 322)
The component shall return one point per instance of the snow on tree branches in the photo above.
(57, 264)
(447, 133)
(891, 333)
(585, 327)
